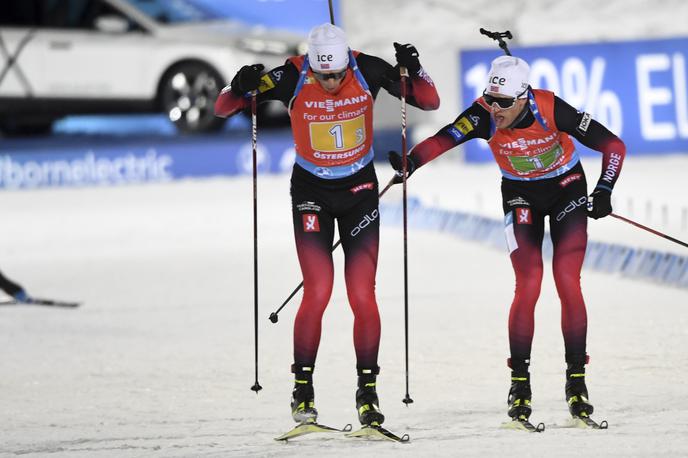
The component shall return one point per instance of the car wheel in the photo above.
(187, 95)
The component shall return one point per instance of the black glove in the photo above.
(396, 161)
(407, 56)
(247, 79)
(599, 203)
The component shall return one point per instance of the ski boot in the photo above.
(519, 394)
(303, 397)
(367, 403)
(576, 391)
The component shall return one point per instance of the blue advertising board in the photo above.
(54, 161)
(637, 89)
(98, 160)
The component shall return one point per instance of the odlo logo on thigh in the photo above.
(310, 223)
(367, 219)
(523, 216)
(572, 205)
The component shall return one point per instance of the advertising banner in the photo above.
(64, 162)
(637, 89)
(115, 160)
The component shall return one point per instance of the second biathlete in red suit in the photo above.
(334, 181)
(541, 176)
(529, 133)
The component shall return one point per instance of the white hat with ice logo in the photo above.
(327, 48)
(508, 76)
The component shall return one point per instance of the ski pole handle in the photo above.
(499, 38)
(403, 73)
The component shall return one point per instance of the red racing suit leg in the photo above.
(569, 230)
(526, 203)
(353, 203)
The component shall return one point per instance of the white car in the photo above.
(61, 57)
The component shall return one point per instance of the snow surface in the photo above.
(159, 359)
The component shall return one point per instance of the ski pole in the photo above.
(254, 143)
(274, 315)
(649, 229)
(331, 12)
(404, 164)
(499, 38)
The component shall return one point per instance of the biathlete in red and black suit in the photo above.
(330, 93)
(528, 131)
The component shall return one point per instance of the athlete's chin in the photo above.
(500, 122)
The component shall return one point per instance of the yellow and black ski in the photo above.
(309, 427)
(375, 431)
(585, 422)
(522, 424)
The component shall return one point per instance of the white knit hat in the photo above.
(327, 48)
(508, 76)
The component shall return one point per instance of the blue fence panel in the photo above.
(635, 263)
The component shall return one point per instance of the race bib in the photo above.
(526, 164)
(339, 135)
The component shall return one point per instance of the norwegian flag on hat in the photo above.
(325, 66)
(494, 88)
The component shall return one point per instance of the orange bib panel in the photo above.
(538, 151)
(331, 130)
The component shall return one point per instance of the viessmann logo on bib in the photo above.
(524, 144)
(330, 104)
